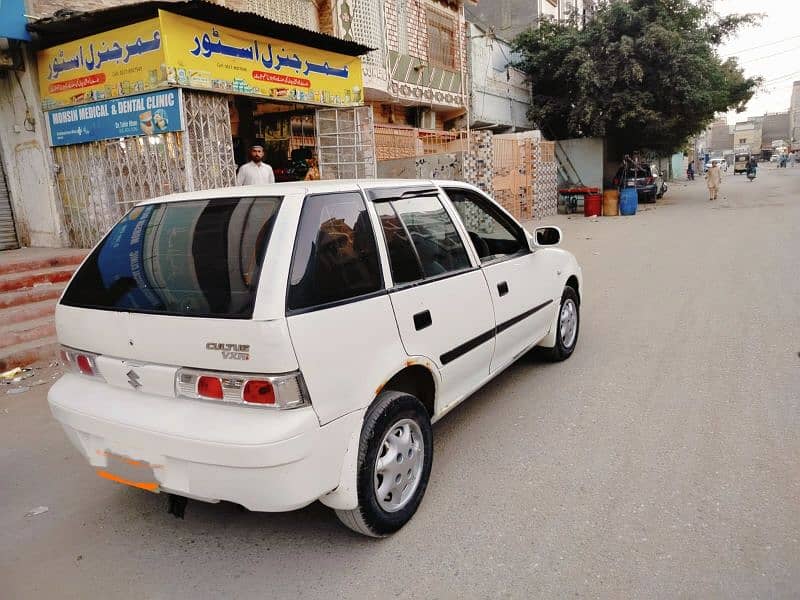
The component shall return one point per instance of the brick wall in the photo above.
(417, 30)
(389, 114)
(391, 17)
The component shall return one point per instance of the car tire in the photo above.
(566, 337)
(393, 417)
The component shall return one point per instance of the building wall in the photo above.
(415, 78)
(581, 159)
(500, 94)
(748, 133)
(776, 127)
(719, 136)
(27, 160)
(794, 115)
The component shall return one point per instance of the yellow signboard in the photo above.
(172, 50)
(120, 62)
(206, 56)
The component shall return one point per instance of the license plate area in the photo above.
(129, 471)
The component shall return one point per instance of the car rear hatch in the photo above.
(174, 285)
(640, 178)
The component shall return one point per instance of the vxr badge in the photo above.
(133, 379)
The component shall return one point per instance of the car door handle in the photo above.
(502, 288)
(422, 320)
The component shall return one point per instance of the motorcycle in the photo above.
(751, 174)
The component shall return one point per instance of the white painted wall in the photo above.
(585, 159)
(27, 160)
(499, 96)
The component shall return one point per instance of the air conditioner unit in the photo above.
(427, 119)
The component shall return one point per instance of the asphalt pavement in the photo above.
(661, 461)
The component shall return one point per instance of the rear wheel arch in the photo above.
(414, 379)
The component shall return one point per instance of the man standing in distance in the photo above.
(256, 172)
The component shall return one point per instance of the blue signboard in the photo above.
(145, 114)
(13, 21)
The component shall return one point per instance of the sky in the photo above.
(770, 50)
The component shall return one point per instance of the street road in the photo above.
(661, 461)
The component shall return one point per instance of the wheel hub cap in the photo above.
(399, 465)
(568, 323)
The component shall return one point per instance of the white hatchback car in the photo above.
(276, 345)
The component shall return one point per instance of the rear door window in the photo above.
(421, 239)
(335, 257)
(191, 258)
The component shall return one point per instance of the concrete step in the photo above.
(21, 355)
(35, 259)
(28, 312)
(27, 331)
(30, 295)
(29, 279)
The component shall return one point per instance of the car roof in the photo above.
(300, 187)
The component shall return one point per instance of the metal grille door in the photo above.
(100, 181)
(210, 141)
(8, 235)
(346, 143)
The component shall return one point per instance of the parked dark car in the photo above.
(641, 177)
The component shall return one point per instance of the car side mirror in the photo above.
(545, 236)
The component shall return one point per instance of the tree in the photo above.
(644, 74)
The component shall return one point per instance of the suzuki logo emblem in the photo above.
(133, 379)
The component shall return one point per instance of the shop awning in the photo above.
(68, 25)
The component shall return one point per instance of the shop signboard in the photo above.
(173, 50)
(205, 56)
(121, 62)
(145, 114)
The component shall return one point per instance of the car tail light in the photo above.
(275, 391)
(78, 361)
(649, 180)
(258, 391)
(209, 387)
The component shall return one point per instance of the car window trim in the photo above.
(382, 285)
(434, 279)
(410, 241)
(336, 303)
(505, 257)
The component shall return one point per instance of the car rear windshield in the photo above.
(194, 258)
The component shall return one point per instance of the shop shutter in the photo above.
(8, 235)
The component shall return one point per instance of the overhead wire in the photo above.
(737, 52)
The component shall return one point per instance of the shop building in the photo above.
(29, 209)
(152, 98)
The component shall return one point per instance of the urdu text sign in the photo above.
(121, 62)
(206, 56)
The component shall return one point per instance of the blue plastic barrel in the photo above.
(628, 199)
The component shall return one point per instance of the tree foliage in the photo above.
(645, 74)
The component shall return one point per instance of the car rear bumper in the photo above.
(265, 460)
(646, 191)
